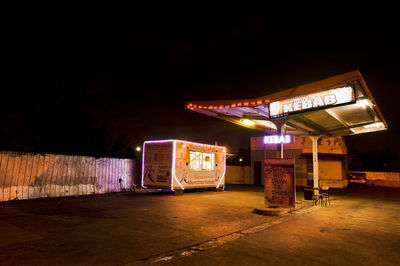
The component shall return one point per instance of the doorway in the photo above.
(257, 173)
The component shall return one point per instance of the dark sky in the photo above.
(83, 78)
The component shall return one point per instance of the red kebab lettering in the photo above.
(309, 102)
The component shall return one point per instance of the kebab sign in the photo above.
(277, 139)
(312, 101)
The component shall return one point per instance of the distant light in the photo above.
(138, 148)
(183, 145)
(240, 160)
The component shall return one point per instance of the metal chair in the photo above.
(316, 197)
(325, 195)
(321, 197)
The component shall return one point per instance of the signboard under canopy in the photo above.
(312, 101)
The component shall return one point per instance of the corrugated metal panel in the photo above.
(30, 176)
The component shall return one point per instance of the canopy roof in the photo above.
(337, 106)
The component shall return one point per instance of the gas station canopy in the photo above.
(337, 106)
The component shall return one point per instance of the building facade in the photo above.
(332, 160)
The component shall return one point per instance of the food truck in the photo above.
(178, 165)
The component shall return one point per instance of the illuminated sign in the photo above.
(312, 101)
(277, 139)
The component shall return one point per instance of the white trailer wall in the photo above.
(31, 176)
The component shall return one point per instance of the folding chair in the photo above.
(316, 197)
(321, 197)
(325, 196)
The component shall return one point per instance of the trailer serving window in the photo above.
(202, 161)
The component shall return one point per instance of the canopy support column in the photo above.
(279, 123)
(314, 140)
(280, 133)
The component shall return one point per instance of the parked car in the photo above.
(358, 178)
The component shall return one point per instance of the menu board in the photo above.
(279, 183)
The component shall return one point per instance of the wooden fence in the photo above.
(30, 176)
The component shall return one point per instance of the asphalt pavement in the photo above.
(360, 227)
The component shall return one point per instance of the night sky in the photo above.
(98, 79)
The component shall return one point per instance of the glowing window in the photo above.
(201, 161)
(208, 161)
(195, 160)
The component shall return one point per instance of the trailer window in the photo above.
(208, 161)
(201, 161)
(195, 160)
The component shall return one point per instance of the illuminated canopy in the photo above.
(337, 106)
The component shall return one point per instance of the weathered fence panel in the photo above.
(30, 176)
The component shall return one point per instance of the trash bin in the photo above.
(308, 193)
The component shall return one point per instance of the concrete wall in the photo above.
(382, 179)
(30, 176)
(300, 172)
(238, 175)
(332, 172)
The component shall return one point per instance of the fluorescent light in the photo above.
(266, 123)
(369, 128)
(375, 125)
(247, 122)
(363, 103)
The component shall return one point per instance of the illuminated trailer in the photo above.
(180, 165)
